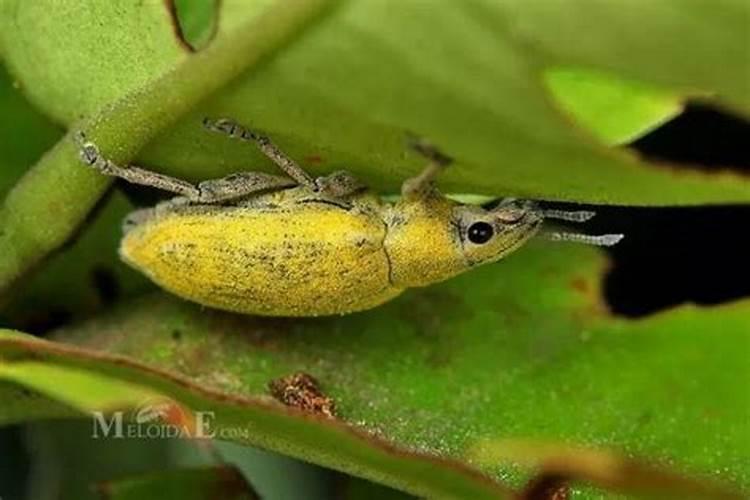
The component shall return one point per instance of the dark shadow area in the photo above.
(701, 138)
(104, 281)
(683, 254)
(14, 466)
(673, 255)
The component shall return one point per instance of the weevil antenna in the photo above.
(570, 216)
(604, 240)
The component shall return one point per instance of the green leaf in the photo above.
(348, 92)
(188, 484)
(197, 20)
(699, 48)
(55, 48)
(523, 349)
(91, 390)
(615, 111)
(563, 464)
(32, 134)
(257, 421)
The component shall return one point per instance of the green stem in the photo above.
(51, 201)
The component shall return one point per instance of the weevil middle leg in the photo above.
(339, 184)
(231, 187)
(268, 148)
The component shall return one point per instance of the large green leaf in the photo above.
(616, 111)
(644, 40)
(519, 350)
(347, 93)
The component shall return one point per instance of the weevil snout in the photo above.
(528, 212)
(512, 211)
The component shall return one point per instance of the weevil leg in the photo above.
(424, 182)
(227, 188)
(90, 155)
(240, 185)
(268, 148)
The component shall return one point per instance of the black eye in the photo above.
(480, 232)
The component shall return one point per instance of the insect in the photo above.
(296, 245)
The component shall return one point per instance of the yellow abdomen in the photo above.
(299, 261)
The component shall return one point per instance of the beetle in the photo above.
(295, 245)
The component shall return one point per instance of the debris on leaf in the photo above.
(546, 487)
(302, 391)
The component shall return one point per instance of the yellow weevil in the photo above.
(301, 246)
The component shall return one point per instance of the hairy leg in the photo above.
(268, 148)
(212, 191)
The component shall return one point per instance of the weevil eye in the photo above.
(480, 232)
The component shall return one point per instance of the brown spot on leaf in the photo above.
(261, 333)
(546, 487)
(314, 159)
(580, 285)
(302, 391)
(590, 287)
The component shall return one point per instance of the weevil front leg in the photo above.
(89, 154)
(212, 191)
(424, 183)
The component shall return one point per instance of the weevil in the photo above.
(296, 245)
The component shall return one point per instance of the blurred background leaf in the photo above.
(47, 299)
(189, 484)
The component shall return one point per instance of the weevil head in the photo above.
(489, 234)
(434, 239)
